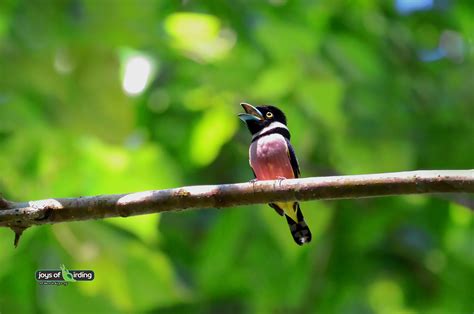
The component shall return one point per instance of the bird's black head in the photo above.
(257, 118)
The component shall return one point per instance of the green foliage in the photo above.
(365, 88)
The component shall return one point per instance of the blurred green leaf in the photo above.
(199, 35)
(215, 128)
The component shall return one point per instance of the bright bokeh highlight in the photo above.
(138, 69)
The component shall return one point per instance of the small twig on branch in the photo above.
(20, 216)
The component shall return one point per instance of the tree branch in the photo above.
(20, 216)
(228, 195)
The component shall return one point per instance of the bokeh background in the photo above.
(104, 97)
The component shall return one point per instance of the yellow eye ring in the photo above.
(269, 115)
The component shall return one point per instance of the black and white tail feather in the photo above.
(299, 229)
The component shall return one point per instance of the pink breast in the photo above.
(269, 158)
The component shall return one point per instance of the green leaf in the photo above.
(213, 130)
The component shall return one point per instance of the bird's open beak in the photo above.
(252, 113)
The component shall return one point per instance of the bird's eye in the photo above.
(269, 115)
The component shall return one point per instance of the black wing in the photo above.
(254, 175)
(293, 160)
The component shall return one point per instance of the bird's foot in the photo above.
(280, 179)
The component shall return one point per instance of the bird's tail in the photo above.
(299, 229)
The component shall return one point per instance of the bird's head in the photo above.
(258, 118)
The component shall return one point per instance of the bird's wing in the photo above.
(254, 175)
(253, 171)
(293, 160)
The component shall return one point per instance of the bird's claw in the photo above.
(280, 179)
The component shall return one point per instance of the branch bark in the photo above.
(21, 215)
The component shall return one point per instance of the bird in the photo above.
(272, 157)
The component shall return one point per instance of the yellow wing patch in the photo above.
(289, 210)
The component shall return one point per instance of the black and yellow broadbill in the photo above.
(272, 157)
